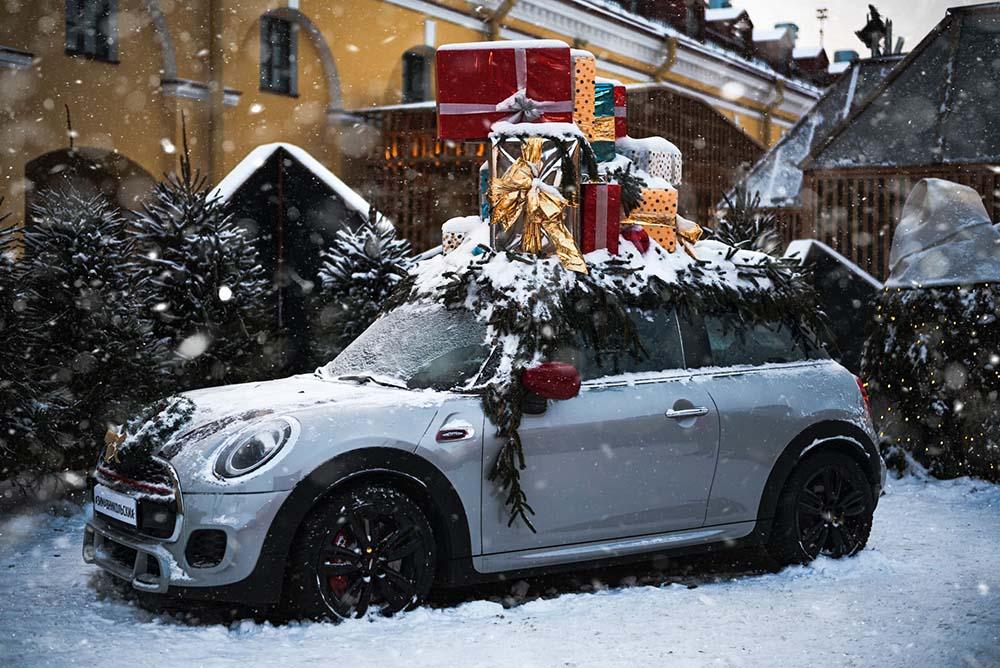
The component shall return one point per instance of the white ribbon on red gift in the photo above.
(601, 231)
(524, 108)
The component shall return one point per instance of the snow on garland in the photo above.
(130, 451)
(533, 305)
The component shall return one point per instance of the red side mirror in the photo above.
(552, 380)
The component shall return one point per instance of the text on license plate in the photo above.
(111, 503)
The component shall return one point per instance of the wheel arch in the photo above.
(404, 470)
(826, 436)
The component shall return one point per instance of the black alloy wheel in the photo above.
(368, 548)
(825, 508)
(831, 513)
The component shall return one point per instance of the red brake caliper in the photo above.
(338, 583)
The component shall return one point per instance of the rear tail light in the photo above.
(863, 389)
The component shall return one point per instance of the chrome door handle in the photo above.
(685, 413)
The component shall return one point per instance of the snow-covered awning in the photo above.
(945, 237)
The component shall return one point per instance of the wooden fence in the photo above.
(420, 182)
(856, 210)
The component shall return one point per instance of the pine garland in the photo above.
(562, 306)
(631, 187)
(146, 434)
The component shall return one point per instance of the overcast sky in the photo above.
(911, 19)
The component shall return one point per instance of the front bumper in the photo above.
(157, 565)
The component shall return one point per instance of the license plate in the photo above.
(119, 506)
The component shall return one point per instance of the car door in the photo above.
(633, 454)
(756, 375)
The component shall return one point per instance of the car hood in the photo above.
(334, 415)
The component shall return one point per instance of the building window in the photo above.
(278, 56)
(92, 29)
(417, 65)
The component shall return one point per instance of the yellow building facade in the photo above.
(202, 60)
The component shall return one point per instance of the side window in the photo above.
(658, 333)
(278, 56)
(92, 29)
(732, 344)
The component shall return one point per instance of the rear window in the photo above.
(732, 344)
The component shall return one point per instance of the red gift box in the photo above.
(601, 217)
(518, 81)
(621, 105)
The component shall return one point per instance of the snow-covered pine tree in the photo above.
(200, 278)
(933, 363)
(359, 271)
(15, 394)
(743, 224)
(89, 358)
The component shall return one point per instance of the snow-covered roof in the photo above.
(803, 250)
(777, 176)
(938, 106)
(838, 67)
(770, 34)
(616, 10)
(723, 14)
(806, 52)
(256, 159)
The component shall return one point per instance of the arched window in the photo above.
(417, 78)
(279, 52)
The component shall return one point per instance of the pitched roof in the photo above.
(258, 156)
(771, 34)
(806, 52)
(777, 176)
(724, 14)
(939, 106)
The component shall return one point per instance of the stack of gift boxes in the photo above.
(543, 110)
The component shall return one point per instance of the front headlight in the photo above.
(255, 446)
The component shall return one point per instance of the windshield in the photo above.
(424, 346)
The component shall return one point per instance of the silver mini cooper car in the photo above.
(365, 484)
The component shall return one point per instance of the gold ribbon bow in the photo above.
(112, 440)
(518, 192)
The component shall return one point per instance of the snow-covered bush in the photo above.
(933, 362)
(199, 277)
(933, 356)
(87, 355)
(360, 269)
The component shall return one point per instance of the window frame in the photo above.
(699, 356)
(77, 25)
(268, 71)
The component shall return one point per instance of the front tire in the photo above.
(366, 547)
(825, 508)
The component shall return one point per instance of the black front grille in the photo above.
(123, 555)
(205, 548)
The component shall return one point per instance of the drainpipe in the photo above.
(669, 60)
(217, 55)
(777, 99)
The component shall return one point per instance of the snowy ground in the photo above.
(925, 593)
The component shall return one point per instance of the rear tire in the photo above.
(825, 509)
(367, 546)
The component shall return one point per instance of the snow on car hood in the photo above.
(220, 411)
